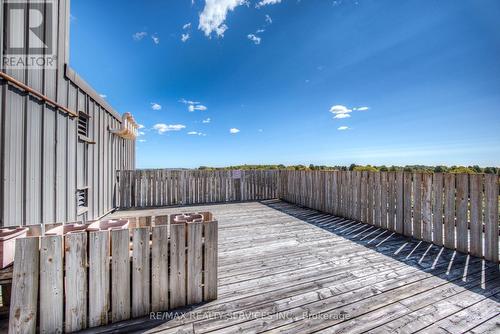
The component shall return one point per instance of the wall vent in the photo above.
(82, 198)
(83, 125)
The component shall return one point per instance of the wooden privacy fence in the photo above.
(163, 187)
(90, 279)
(458, 211)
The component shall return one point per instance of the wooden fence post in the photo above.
(140, 272)
(120, 275)
(75, 255)
(51, 284)
(210, 263)
(194, 263)
(159, 276)
(23, 305)
(98, 278)
(177, 265)
(491, 217)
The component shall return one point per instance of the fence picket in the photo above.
(98, 278)
(140, 272)
(120, 275)
(51, 285)
(23, 307)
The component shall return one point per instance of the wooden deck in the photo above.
(287, 269)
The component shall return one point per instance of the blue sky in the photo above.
(311, 81)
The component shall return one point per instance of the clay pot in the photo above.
(108, 225)
(66, 229)
(187, 218)
(8, 244)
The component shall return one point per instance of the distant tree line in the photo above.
(353, 167)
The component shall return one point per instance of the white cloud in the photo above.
(339, 109)
(208, 120)
(193, 107)
(141, 133)
(142, 140)
(263, 3)
(343, 128)
(183, 100)
(140, 126)
(260, 130)
(361, 108)
(196, 133)
(260, 31)
(254, 39)
(162, 128)
(340, 116)
(139, 35)
(103, 96)
(186, 26)
(155, 39)
(269, 20)
(185, 37)
(234, 131)
(214, 15)
(155, 106)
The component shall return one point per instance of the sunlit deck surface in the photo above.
(287, 269)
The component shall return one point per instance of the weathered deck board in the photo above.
(286, 267)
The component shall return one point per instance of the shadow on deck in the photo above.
(425, 256)
(287, 269)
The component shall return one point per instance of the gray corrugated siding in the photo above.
(42, 163)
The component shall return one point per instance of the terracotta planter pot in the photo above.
(66, 229)
(8, 244)
(108, 225)
(207, 216)
(187, 218)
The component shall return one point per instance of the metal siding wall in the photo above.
(2, 108)
(71, 160)
(2, 158)
(13, 157)
(49, 165)
(38, 145)
(33, 148)
(33, 193)
(93, 210)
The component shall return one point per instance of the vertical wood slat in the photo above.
(417, 205)
(51, 284)
(177, 265)
(98, 278)
(437, 209)
(159, 276)
(370, 197)
(210, 259)
(408, 225)
(364, 196)
(377, 200)
(462, 196)
(427, 207)
(383, 200)
(120, 275)
(75, 255)
(476, 215)
(23, 307)
(391, 201)
(399, 228)
(449, 211)
(194, 289)
(491, 217)
(140, 272)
